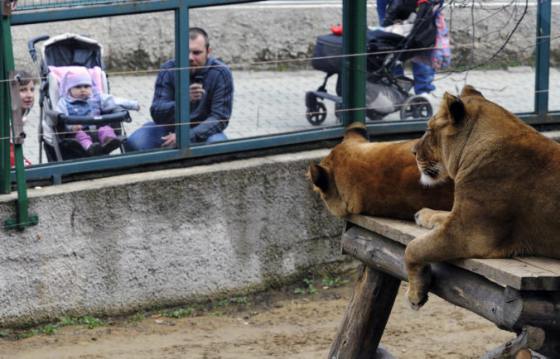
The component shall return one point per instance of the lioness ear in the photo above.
(457, 111)
(468, 90)
(319, 176)
(356, 128)
(448, 99)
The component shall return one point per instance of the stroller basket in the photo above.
(327, 54)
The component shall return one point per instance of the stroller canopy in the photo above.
(72, 50)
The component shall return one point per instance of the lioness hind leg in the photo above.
(429, 218)
(448, 241)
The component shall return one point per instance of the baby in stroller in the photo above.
(63, 134)
(80, 98)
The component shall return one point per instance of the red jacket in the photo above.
(13, 157)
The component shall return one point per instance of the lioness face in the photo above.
(428, 159)
(445, 124)
(324, 184)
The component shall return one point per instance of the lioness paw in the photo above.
(423, 218)
(416, 299)
(429, 218)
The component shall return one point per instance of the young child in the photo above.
(27, 99)
(80, 99)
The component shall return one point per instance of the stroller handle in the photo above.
(31, 45)
(119, 116)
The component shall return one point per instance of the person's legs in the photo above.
(146, 137)
(398, 70)
(108, 139)
(381, 7)
(423, 78)
(217, 137)
(83, 139)
(106, 132)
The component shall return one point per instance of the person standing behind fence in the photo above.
(211, 100)
(389, 11)
(26, 84)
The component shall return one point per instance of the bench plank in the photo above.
(549, 264)
(522, 273)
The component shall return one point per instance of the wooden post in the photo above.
(551, 344)
(366, 316)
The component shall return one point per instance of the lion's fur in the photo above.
(507, 198)
(379, 179)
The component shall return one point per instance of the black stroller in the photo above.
(57, 53)
(385, 92)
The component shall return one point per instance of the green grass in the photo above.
(333, 282)
(308, 289)
(137, 317)
(178, 313)
(91, 322)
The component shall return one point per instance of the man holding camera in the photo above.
(211, 99)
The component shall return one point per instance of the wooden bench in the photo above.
(521, 295)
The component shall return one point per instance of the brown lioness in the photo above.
(507, 198)
(379, 179)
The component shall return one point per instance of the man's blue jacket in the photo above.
(211, 114)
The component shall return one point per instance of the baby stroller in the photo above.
(385, 92)
(57, 55)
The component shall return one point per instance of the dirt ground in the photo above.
(284, 323)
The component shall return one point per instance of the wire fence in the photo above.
(270, 87)
(39, 5)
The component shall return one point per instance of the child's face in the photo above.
(27, 95)
(81, 91)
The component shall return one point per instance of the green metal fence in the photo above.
(353, 82)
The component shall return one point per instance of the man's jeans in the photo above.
(423, 77)
(149, 137)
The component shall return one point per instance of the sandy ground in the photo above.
(275, 324)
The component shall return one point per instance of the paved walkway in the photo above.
(273, 102)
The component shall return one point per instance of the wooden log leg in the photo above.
(366, 316)
(551, 344)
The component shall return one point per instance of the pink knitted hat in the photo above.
(76, 77)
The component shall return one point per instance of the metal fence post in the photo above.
(542, 66)
(182, 76)
(4, 108)
(11, 105)
(354, 66)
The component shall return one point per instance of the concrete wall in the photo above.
(114, 245)
(244, 34)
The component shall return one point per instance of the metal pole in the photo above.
(542, 68)
(11, 99)
(354, 66)
(4, 109)
(182, 77)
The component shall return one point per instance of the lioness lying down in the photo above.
(507, 198)
(379, 179)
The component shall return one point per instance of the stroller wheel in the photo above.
(416, 108)
(316, 115)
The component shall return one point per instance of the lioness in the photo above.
(507, 198)
(379, 179)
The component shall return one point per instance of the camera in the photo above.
(197, 79)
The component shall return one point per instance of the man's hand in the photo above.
(169, 141)
(196, 92)
(75, 128)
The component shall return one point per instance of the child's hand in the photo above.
(75, 128)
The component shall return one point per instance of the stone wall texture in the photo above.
(115, 245)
